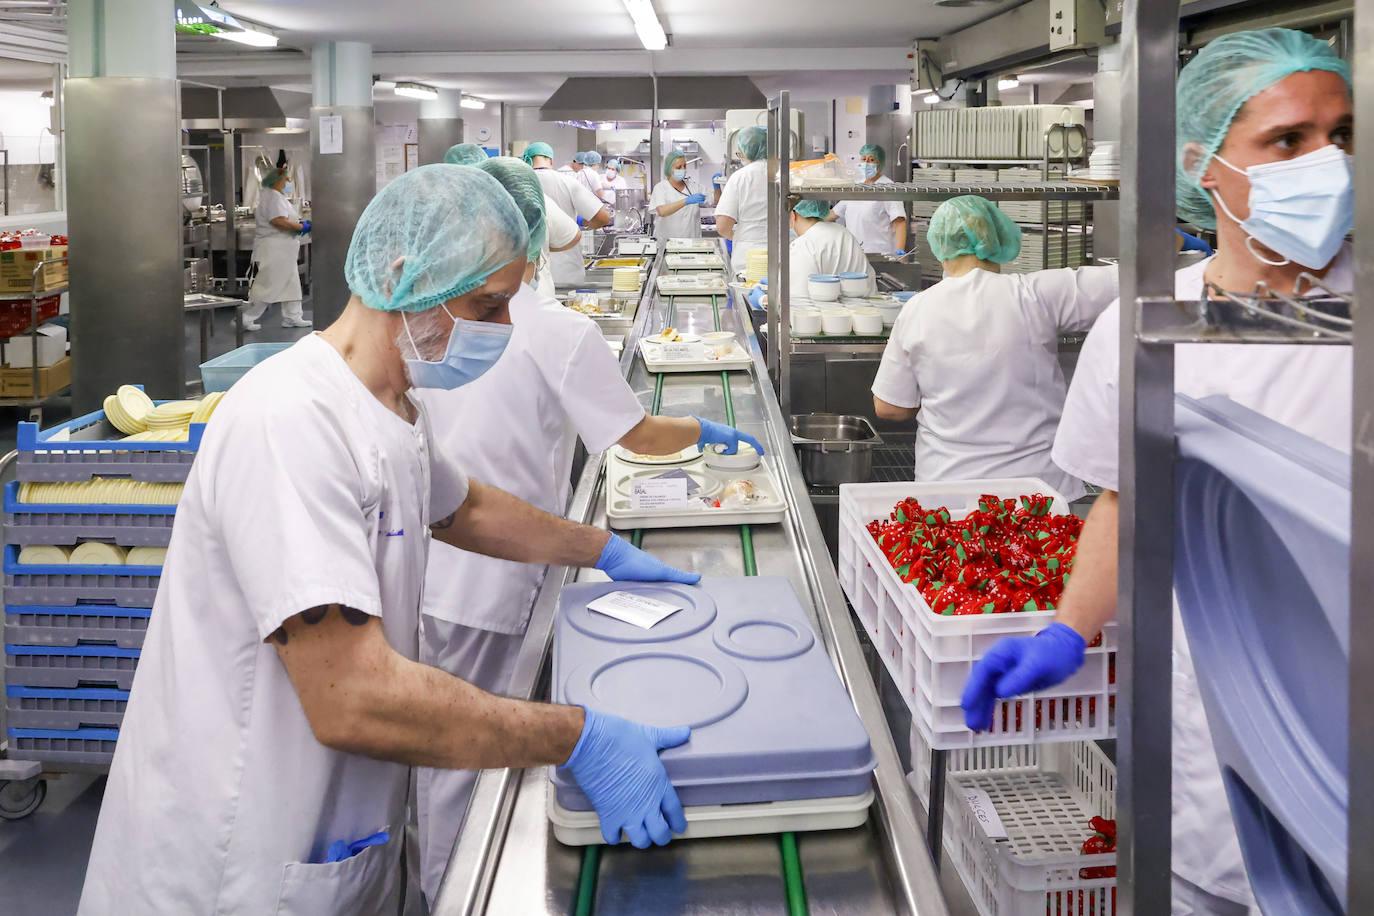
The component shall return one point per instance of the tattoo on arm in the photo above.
(354, 617)
(315, 614)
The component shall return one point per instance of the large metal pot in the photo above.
(834, 448)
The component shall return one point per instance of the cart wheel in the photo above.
(21, 797)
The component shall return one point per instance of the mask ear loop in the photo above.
(1249, 239)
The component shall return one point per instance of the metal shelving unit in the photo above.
(780, 343)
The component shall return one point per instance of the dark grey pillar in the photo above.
(436, 136)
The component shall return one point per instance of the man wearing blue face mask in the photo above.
(879, 225)
(264, 760)
(1264, 132)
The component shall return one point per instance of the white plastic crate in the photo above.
(1046, 808)
(930, 655)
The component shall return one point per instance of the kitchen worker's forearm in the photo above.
(725, 227)
(602, 218)
(495, 523)
(362, 697)
(1089, 602)
(669, 209)
(886, 411)
(899, 234)
(286, 225)
(656, 435)
(573, 244)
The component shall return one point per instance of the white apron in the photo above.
(277, 279)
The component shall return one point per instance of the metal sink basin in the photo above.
(834, 448)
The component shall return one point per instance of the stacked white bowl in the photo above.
(1105, 163)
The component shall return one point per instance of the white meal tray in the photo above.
(637, 246)
(655, 360)
(582, 828)
(694, 261)
(620, 474)
(690, 245)
(691, 284)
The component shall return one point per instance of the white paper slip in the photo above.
(639, 610)
(980, 803)
(659, 493)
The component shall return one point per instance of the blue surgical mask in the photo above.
(289, 189)
(1300, 209)
(870, 169)
(473, 348)
(679, 174)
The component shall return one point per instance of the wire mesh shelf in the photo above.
(1312, 314)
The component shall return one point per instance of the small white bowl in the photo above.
(744, 459)
(837, 323)
(711, 338)
(823, 290)
(868, 322)
(854, 285)
(806, 322)
(889, 313)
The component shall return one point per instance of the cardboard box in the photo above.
(52, 346)
(17, 266)
(18, 383)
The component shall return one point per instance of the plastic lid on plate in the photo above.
(852, 275)
(902, 295)
(825, 278)
(744, 459)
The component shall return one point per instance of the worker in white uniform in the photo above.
(561, 379)
(678, 207)
(879, 224)
(263, 764)
(573, 166)
(974, 359)
(277, 230)
(570, 196)
(612, 181)
(742, 211)
(1264, 126)
(562, 232)
(591, 172)
(823, 247)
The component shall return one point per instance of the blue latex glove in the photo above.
(899, 253)
(1193, 243)
(713, 432)
(696, 198)
(581, 222)
(305, 226)
(1020, 665)
(616, 765)
(756, 297)
(624, 562)
(340, 849)
(717, 179)
(729, 246)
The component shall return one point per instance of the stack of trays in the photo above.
(695, 260)
(692, 283)
(674, 245)
(776, 743)
(756, 267)
(1034, 243)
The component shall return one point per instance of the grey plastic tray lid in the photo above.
(740, 664)
(1262, 573)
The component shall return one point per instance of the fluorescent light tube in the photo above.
(647, 26)
(1010, 83)
(416, 91)
(469, 102)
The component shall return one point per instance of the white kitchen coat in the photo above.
(978, 354)
(871, 220)
(515, 428)
(590, 179)
(610, 185)
(745, 200)
(220, 799)
(685, 223)
(826, 248)
(1306, 388)
(275, 250)
(562, 231)
(573, 198)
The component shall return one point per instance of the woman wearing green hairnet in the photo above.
(677, 207)
(822, 247)
(278, 228)
(742, 211)
(1264, 129)
(973, 360)
(880, 225)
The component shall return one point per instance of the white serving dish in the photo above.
(837, 323)
(823, 290)
(806, 321)
(690, 453)
(868, 322)
(770, 507)
(706, 360)
(856, 287)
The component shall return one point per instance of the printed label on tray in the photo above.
(638, 610)
(682, 351)
(980, 803)
(659, 493)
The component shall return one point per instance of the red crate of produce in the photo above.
(15, 317)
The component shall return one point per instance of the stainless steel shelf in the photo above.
(942, 190)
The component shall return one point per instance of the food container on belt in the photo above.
(854, 283)
(834, 448)
(868, 321)
(823, 287)
(836, 322)
(806, 321)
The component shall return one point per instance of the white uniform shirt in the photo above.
(591, 180)
(610, 185)
(515, 428)
(978, 354)
(826, 248)
(306, 492)
(745, 200)
(562, 231)
(1306, 388)
(272, 204)
(684, 224)
(569, 268)
(871, 220)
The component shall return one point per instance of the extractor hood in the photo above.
(253, 107)
(631, 98)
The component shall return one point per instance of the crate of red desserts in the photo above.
(939, 572)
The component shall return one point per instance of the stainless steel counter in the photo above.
(507, 860)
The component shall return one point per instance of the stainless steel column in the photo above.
(342, 182)
(1145, 579)
(440, 125)
(123, 200)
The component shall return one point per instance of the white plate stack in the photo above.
(1105, 163)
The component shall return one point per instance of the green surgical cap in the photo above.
(465, 154)
(753, 143)
(876, 151)
(812, 209)
(1214, 86)
(537, 148)
(973, 225)
(271, 178)
(673, 157)
(431, 235)
(522, 184)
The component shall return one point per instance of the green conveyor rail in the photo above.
(794, 882)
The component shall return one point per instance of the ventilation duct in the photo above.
(680, 98)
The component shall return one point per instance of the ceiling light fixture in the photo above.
(416, 91)
(1008, 83)
(469, 102)
(383, 84)
(932, 99)
(647, 26)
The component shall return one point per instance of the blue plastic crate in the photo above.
(82, 625)
(70, 667)
(71, 523)
(223, 371)
(91, 746)
(70, 585)
(55, 707)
